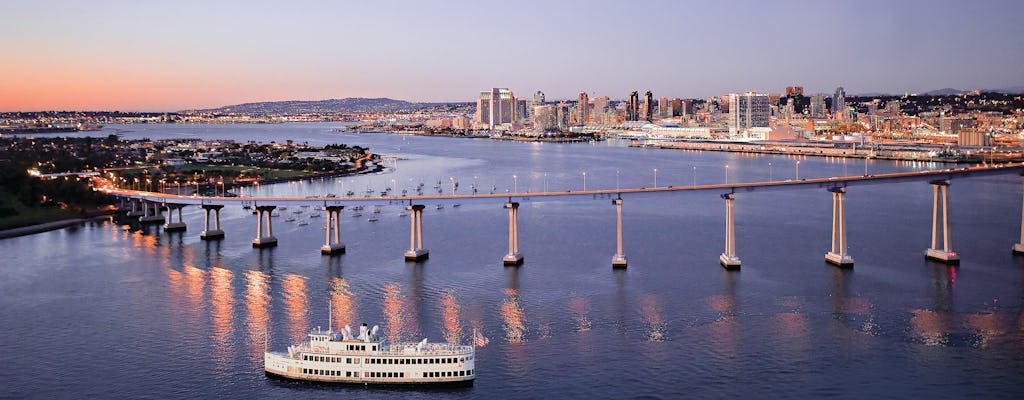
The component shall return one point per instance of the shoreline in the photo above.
(49, 226)
(796, 149)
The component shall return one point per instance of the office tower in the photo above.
(545, 118)
(647, 112)
(538, 98)
(839, 103)
(495, 107)
(748, 110)
(663, 108)
(794, 91)
(817, 106)
(582, 109)
(522, 112)
(676, 107)
(633, 107)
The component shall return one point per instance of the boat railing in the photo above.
(429, 349)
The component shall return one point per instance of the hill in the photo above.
(346, 105)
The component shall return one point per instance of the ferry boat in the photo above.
(341, 357)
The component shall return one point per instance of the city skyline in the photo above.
(165, 57)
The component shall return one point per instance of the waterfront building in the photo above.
(647, 111)
(664, 110)
(748, 110)
(545, 118)
(600, 110)
(582, 109)
(839, 103)
(633, 107)
(817, 106)
(563, 116)
(495, 107)
(521, 111)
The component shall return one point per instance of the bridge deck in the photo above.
(827, 182)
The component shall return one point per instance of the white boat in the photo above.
(314, 215)
(372, 219)
(302, 223)
(289, 219)
(341, 357)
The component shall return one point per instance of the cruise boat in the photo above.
(341, 357)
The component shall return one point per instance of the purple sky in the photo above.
(171, 55)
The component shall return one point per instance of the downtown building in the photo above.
(748, 110)
(496, 107)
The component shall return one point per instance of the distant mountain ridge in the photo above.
(952, 91)
(346, 105)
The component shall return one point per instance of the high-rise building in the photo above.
(748, 110)
(664, 111)
(495, 107)
(633, 107)
(817, 106)
(839, 103)
(538, 98)
(582, 109)
(794, 91)
(545, 118)
(647, 112)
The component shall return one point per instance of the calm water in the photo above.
(101, 312)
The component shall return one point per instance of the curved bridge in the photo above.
(837, 185)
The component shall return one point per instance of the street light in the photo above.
(616, 179)
(798, 170)
(655, 178)
(584, 181)
(726, 174)
(545, 181)
(695, 176)
(515, 184)
(769, 172)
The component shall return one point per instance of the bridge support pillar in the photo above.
(333, 230)
(728, 258)
(216, 232)
(514, 257)
(838, 255)
(261, 240)
(946, 254)
(147, 217)
(170, 225)
(1019, 247)
(134, 208)
(416, 251)
(619, 259)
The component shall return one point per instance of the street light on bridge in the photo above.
(726, 174)
(655, 178)
(798, 170)
(584, 181)
(515, 184)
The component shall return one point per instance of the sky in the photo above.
(174, 55)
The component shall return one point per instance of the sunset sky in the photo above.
(173, 55)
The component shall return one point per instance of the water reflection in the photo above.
(650, 311)
(398, 321)
(619, 321)
(296, 305)
(929, 327)
(257, 305)
(514, 321)
(580, 309)
(343, 303)
(451, 326)
(223, 304)
(943, 281)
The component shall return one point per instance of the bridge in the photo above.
(147, 206)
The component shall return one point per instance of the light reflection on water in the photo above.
(674, 317)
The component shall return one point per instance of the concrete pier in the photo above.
(619, 259)
(513, 257)
(946, 254)
(134, 211)
(728, 258)
(216, 232)
(151, 218)
(416, 251)
(261, 240)
(839, 256)
(333, 229)
(175, 226)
